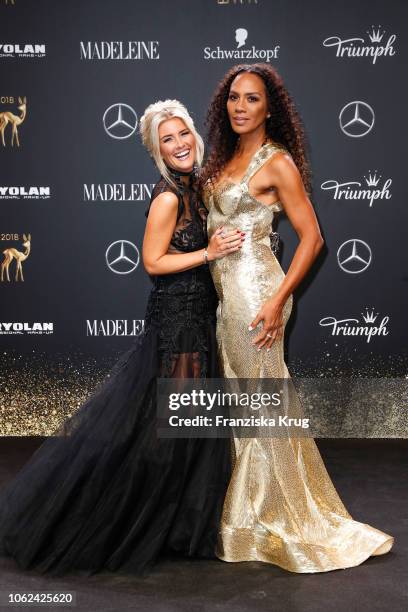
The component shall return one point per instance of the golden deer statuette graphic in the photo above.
(15, 120)
(12, 253)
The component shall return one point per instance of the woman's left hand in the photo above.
(272, 317)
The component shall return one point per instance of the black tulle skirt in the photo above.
(105, 493)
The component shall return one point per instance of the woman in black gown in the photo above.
(105, 493)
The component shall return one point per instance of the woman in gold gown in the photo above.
(281, 506)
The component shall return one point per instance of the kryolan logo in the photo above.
(359, 47)
(241, 35)
(118, 50)
(373, 189)
(15, 192)
(19, 328)
(27, 50)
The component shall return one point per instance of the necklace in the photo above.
(177, 174)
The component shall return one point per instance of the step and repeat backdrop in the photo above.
(75, 180)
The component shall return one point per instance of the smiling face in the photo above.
(247, 103)
(177, 144)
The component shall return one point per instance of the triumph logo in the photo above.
(118, 50)
(241, 35)
(354, 327)
(27, 50)
(24, 193)
(117, 192)
(359, 47)
(26, 328)
(355, 190)
(115, 327)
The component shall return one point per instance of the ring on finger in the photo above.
(269, 335)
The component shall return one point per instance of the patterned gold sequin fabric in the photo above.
(281, 506)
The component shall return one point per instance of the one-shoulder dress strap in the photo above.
(260, 158)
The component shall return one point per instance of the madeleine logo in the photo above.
(241, 35)
(115, 327)
(119, 50)
(9, 118)
(117, 192)
(360, 47)
(12, 254)
(373, 189)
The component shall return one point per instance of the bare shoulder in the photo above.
(163, 208)
(281, 166)
(166, 198)
(281, 161)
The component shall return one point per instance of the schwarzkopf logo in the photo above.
(353, 327)
(27, 50)
(18, 328)
(117, 192)
(241, 35)
(115, 327)
(24, 193)
(356, 190)
(357, 47)
(118, 50)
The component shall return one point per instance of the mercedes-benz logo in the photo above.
(120, 121)
(354, 256)
(122, 257)
(356, 119)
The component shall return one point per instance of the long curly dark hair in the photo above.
(284, 125)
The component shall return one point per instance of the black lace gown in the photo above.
(105, 493)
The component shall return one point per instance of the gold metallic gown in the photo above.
(281, 506)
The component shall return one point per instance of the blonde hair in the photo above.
(153, 116)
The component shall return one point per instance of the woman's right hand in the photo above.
(224, 242)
